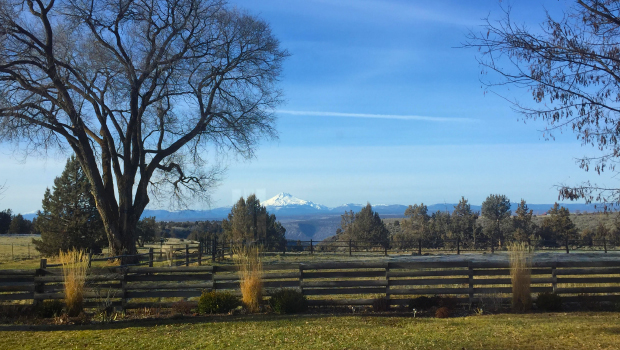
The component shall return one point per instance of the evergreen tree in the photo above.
(249, 221)
(19, 225)
(463, 222)
(69, 218)
(557, 226)
(147, 229)
(522, 223)
(415, 227)
(496, 210)
(439, 229)
(6, 216)
(365, 226)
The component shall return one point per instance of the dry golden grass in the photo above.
(74, 266)
(521, 276)
(250, 267)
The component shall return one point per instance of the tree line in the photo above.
(492, 227)
(15, 224)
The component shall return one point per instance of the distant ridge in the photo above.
(285, 205)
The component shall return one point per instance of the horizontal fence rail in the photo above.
(329, 283)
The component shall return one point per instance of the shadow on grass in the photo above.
(149, 322)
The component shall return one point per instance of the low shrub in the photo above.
(288, 301)
(13, 311)
(49, 308)
(381, 304)
(217, 302)
(424, 303)
(182, 307)
(442, 312)
(446, 302)
(588, 302)
(549, 302)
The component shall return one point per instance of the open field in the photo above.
(508, 331)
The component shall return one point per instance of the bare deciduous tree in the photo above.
(139, 90)
(571, 67)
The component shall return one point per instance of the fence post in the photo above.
(200, 246)
(150, 257)
(350, 247)
(213, 245)
(213, 287)
(420, 246)
(492, 245)
(311, 248)
(161, 249)
(554, 278)
(187, 255)
(301, 279)
(387, 283)
(386, 247)
(566, 243)
(40, 286)
(231, 249)
(124, 290)
(12, 255)
(470, 268)
(90, 257)
(458, 246)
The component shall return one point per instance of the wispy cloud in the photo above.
(377, 116)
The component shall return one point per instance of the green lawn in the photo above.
(532, 331)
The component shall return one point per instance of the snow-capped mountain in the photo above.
(286, 203)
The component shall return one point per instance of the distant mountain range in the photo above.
(287, 208)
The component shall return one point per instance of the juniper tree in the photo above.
(250, 222)
(5, 220)
(365, 226)
(463, 222)
(522, 223)
(557, 225)
(19, 225)
(415, 227)
(69, 217)
(496, 210)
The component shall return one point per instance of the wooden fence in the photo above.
(330, 283)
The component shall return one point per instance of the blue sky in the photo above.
(381, 107)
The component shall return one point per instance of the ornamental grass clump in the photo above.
(250, 267)
(521, 276)
(74, 267)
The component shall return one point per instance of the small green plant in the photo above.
(549, 302)
(381, 304)
(424, 303)
(49, 308)
(288, 301)
(217, 302)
